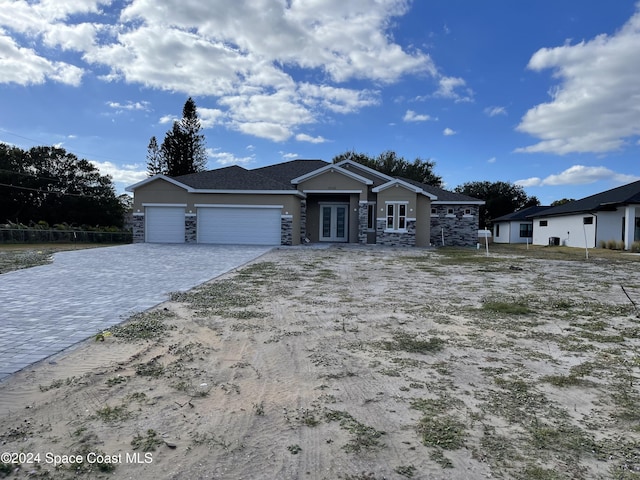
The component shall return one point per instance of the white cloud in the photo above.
(303, 137)
(130, 106)
(595, 107)
(454, 88)
(448, 132)
(126, 174)
(492, 160)
(227, 158)
(411, 116)
(494, 111)
(289, 156)
(578, 175)
(240, 53)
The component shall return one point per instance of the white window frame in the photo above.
(396, 216)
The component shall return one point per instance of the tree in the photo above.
(155, 160)
(50, 184)
(390, 164)
(500, 199)
(183, 149)
(556, 203)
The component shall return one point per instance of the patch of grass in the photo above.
(148, 442)
(152, 368)
(535, 472)
(516, 306)
(116, 380)
(258, 408)
(439, 457)
(563, 380)
(144, 326)
(444, 432)
(407, 342)
(294, 449)
(364, 437)
(563, 438)
(58, 384)
(113, 414)
(406, 470)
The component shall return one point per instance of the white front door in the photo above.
(334, 222)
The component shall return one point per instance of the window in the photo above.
(449, 211)
(526, 230)
(543, 223)
(396, 216)
(467, 211)
(588, 220)
(497, 229)
(371, 216)
(434, 211)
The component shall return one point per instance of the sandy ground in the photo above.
(350, 363)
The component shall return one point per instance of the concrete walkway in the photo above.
(45, 309)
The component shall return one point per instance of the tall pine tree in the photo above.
(155, 160)
(183, 149)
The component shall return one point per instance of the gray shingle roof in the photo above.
(607, 200)
(522, 214)
(231, 178)
(442, 194)
(285, 172)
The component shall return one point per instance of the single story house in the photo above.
(297, 202)
(516, 227)
(613, 215)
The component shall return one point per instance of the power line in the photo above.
(47, 191)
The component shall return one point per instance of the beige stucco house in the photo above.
(297, 202)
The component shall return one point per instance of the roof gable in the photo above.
(155, 178)
(607, 200)
(398, 182)
(331, 168)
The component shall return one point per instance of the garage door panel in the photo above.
(239, 226)
(164, 224)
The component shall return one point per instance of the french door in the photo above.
(334, 223)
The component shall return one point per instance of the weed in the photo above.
(439, 457)
(406, 470)
(364, 437)
(294, 449)
(445, 432)
(147, 443)
(563, 380)
(116, 380)
(144, 326)
(113, 414)
(407, 342)
(258, 408)
(152, 369)
(516, 306)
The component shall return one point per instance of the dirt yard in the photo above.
(351, 363)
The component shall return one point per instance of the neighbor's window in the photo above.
(434, 211)
(526, 230)
(543, 223)
(449, 211)
(396, 216)
(588, 220)
(497, 229)
(467, 211)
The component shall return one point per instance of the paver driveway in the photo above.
(46, 309)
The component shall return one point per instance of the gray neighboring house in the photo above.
(516, 227)
(612, 215)
(300, 201)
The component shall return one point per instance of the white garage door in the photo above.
(164, 224)
(239, 225)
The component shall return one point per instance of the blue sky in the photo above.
(545, 94)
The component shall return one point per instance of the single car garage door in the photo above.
(164, 224)
(239, 225)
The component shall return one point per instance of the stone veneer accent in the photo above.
(138, 228)
(460, 230)
(396, 239)
(303, 221)
(363, 211)
(190, 228)
(286, 230)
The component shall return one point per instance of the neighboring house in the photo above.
(300, 201)
(613, 215)
(516, 227)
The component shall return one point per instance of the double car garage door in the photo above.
(237, 225)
